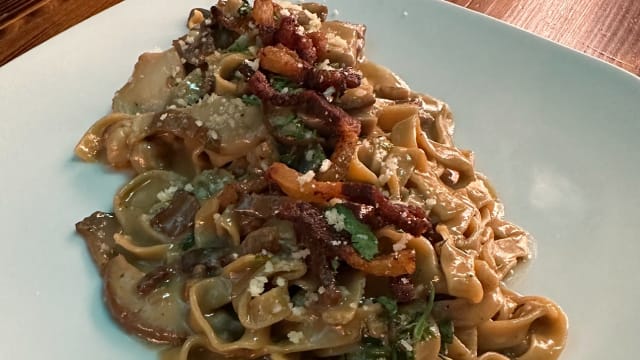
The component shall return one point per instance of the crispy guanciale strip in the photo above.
(258, 84)
(319, 192)
(283, 61)
(263, 13)
(339, 79)
(405, 217)
(288, 35)
(313, 231)
(310, 102)
(392, 264)
(409, 218)
(324, 242)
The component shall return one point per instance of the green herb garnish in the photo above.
(302, 159)
(370, 348)
(291, 126)
(251, 100)
(362, 239)
(389, 304)
(280, 83)
(240, 45)
(245, 8)
(446, 334)
(422, 322)
(188, 243)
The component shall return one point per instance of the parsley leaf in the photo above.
(280, 83)
(362, 239)
(370, 348)
(240, 45)
(188, 243)
(446, 334)
(421, 324)
(291, 126)
(251, 100)
(389, 304)
(245, 8)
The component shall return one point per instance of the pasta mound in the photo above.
(292, 199)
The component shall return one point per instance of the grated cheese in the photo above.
(167, 194)
(295, 336)
(405, 344)
(335, 219)
(326, 164)
(307, 177)
(402, 244)
(268, 267)
(256, 285)
(276, 308)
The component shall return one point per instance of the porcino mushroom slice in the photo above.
(97, 230)
(158, 318)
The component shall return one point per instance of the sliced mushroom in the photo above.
(136, 202)
(98, 230)
(345, 42)
(385, 83)
(358, 97)
(149, 88)
(177, 219)
(158, 319)
(319, 10)
(235, 127)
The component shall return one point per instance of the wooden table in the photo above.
(608, 29)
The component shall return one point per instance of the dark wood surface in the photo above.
(608, 29)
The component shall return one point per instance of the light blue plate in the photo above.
(555, 130)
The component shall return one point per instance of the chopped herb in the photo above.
(245, 8)
(370, 348)
(189, 91)
(446, 334)
(240, 45)
(302, 159)
(389, 304)
(188, 243)
(251, 100)
(210, 182)
(335, 264)
(421, 325)
(280, 83)
(362, 239)
(291, 126)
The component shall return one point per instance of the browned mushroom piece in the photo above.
(319, 10)
(150, 86)
(345, 42)
(177, 219)
(97, 230)
(161, 322)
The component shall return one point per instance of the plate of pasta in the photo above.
(276, 180)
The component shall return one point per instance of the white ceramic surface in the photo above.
(556, 131)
